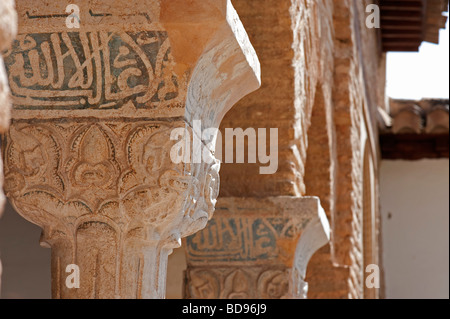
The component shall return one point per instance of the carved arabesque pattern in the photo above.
(112, 184)
(238, 283)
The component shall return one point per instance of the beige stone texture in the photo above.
(255, 248)
(88, 156)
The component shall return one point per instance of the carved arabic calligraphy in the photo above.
(239, 239)
(92, 70)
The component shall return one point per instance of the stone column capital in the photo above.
(256, 248)
(162, 59)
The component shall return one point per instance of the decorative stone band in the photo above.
(163, 59)
(88, 155)
(256, 248)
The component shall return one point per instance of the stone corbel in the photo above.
(89, 155)
(256, 248)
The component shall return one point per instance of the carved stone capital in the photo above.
(256, 248)
(88, 156)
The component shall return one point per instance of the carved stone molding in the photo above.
(255, 248)
(88, 156)
(238, 283)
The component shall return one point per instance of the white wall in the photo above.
(415, 220)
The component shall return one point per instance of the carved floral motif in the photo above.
(251, 282)
(116, 178)
(88, 156)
